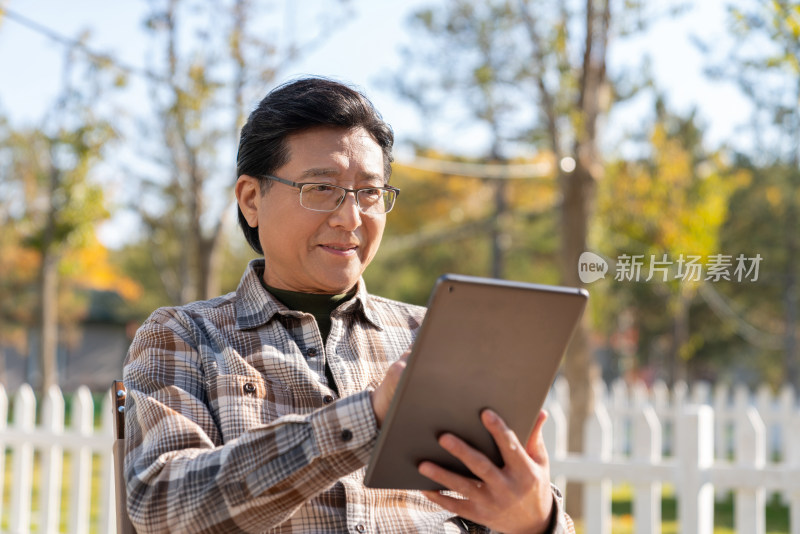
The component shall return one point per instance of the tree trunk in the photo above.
(499, 233)
(790, 363)
(48, 297)
(680, 338)
(580, 368)
(578, 192)
(48, 346)
(212, 261)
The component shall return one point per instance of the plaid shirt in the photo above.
(231, 425)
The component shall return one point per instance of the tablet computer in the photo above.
(484, 343)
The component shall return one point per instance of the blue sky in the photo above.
(361, 52)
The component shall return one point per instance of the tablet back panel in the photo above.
(484, 343)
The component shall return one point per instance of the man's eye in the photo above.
(371, 192)
(320, 188)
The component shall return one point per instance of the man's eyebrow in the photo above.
(311, 173)
(372, 176)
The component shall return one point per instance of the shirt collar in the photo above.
(362, 302)
(255, 306)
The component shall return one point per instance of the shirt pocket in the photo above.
(248, 401)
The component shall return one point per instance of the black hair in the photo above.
(292, 108)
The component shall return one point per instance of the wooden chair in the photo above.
(118, 393)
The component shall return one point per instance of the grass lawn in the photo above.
(622, 513)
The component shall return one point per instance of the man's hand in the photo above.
(511, 499)
(382, 396)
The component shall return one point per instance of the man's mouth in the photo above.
(339, 247)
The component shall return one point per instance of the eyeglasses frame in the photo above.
(299, 186)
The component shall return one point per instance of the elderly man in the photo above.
(257, 411)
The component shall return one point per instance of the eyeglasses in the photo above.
(328, 197)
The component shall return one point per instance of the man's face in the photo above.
(318, 252)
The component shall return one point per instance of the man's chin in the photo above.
(335, 280)
(337, 286)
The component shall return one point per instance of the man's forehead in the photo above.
(327, 153)
(357, 135)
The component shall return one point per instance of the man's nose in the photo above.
(348, 214)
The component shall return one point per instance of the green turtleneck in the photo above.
(320, 306)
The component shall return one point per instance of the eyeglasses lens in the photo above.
(321, 197)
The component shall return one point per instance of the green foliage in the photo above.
(53, 208)
(671, 204)
(52, 173)
(685, 199)
(766, 65)
(762, 222)
(443, 224)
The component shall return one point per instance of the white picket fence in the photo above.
(50, 440)
(697, 439)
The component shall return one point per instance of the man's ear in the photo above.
(248, 194)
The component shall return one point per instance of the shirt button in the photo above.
(327, 399)
(347, 435)
(249, 389)
(361, 528)
(311, 352)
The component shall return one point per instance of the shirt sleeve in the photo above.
(182, 478)
(562, 522)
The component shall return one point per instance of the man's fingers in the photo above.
(396, 369)
(468, 487)
(535, 447)
(474, 460)
(382, 396)
(517, 494)
(505, 438)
